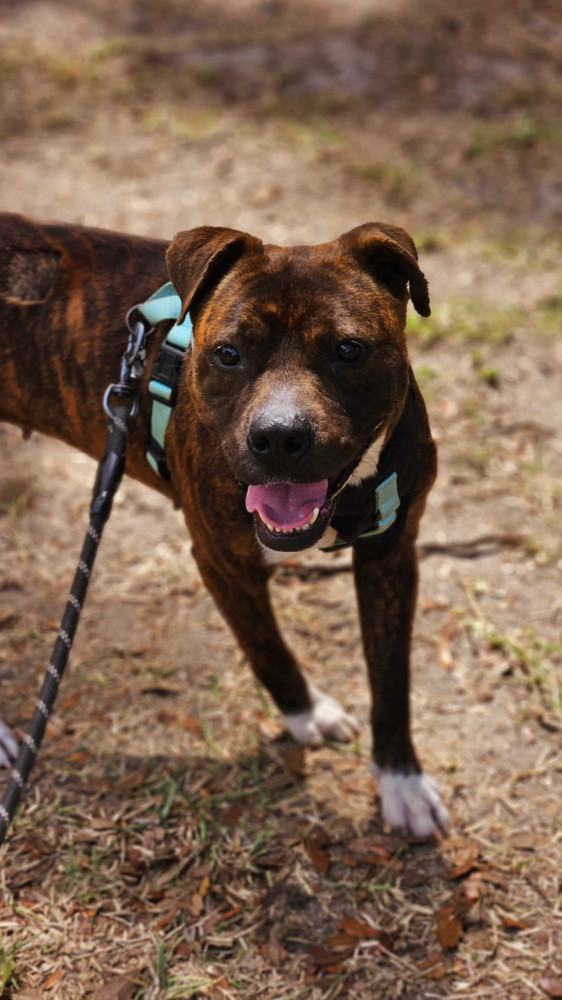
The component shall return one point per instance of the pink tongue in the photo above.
(286, 505)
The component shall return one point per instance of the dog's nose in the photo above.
(274, 443)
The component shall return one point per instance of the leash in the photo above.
(108, 477)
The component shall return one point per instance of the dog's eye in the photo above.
(348, 350)
(227, 355)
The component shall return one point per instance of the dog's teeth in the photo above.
(290, 531)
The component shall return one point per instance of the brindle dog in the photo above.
(297, 393)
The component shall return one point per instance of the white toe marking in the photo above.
(412, 802)
(8, 745)
(325, 720)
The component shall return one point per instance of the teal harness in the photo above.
(364, 513)
(162, 388)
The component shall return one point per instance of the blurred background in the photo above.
(297, 120)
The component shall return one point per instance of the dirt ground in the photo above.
(173, 842)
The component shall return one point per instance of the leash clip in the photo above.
(135, 354)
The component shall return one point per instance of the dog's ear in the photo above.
(197, 259)
(389, 254)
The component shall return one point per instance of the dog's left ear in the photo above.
(389, 254)
(199, 258)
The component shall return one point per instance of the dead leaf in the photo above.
(53, 980)
(318, 849)
(121, 988)
(233, 814)
(167, 718)
(449, 927)
(193, 725)
(324, 958)
(167, 918)
(463, 860)
(551, 984)
(433, 966)
(79, 757)
(132, 779)
(196, 904)
(526, 841)
(433, 959)
(71, 701)
(341, 939)
(296, 763)
(358, 928)
(513, 923)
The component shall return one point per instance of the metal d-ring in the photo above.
(124, 391)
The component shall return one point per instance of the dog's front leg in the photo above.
(241, 594)
(386, 592)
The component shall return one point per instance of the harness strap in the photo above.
(373, 512)
(165, 304)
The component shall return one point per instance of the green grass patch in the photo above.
(7, 967)
(521, 134)
(469, 321)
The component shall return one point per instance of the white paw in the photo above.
(325, 720)
(8, 746)
(411, 802)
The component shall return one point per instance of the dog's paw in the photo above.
(412, 803)
(8, 746)
(326, 720)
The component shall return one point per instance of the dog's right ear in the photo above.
(389, 254)
(199, 258)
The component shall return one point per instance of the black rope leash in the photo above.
(108, 477)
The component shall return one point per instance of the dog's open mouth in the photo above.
(290, 516)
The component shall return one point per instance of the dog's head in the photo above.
(299, 362)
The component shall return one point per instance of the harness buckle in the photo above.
(165, 374)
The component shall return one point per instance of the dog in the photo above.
(298, 423)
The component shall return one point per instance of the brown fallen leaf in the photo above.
(449, 927)
(193, 725)
(53, 980)
(324, 958)
(341, 939)
(358, 928)
(513, 923)
(433, 966)
(168, 918)
(233, 814)
(431, 960)
(296, 763)
(120, 988)
(79, 757)
(318, 849)
(132, 779)
(527, 841)
(463, 860)
(551, 984)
